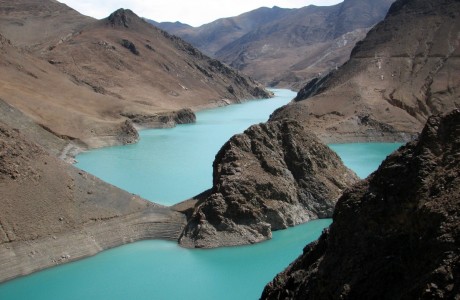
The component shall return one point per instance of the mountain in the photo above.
(95, 81)
(287, 47)
(36, 24)
(406, 69)
(212, 37)
(275, 174)
(396, 234)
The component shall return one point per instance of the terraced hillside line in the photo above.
(52, 213)
(21, 258)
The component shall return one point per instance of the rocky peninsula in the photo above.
(272, 176)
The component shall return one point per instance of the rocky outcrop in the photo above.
(162, 120)
(52, 212)
(395, 235)
(272, 176)
(406, 69)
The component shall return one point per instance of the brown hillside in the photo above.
(52, 212)
(92, 81)
(286, 47)
(406, 69)
(36, 24)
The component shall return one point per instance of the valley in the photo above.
(365, 71)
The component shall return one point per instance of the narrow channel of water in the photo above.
(171, 165)
(168, 166)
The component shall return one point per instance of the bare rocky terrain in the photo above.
(395, 235)
(92, 83)
(286, 47)
(406, 69)
(53, 212)
(69, 83)
(273, 176)
(95, 81)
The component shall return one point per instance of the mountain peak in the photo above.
(122, 17)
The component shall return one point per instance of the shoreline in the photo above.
(156, 221)
(18, 259)
(21, 258)
(72, 149)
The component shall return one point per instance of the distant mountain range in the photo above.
(404, 71)
(285, 47)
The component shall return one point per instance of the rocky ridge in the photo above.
(286, 47)
(406, 69)
(273, 176)
(395, 235)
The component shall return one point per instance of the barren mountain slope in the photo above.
(52, 212)
(406, 69)
(308, 41)
(128, 58)
(395, 235)
(212, 37)
(52, 100)
(36, 24)
(93, 84)
(287, 47)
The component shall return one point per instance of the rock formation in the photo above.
(406, 69)
(52, 212)
(272, 176)
(395, 235)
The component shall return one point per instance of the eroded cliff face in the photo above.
(395, 235)
(272, 176)
(405, 70)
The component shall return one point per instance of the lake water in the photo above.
(167, 166)
(162, 270)
(171, 165)
(364, 158)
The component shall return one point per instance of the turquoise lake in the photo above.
(167, 166)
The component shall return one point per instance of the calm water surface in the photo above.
(163, 270)
(364, 158)
(167, 166)
(171, 165)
